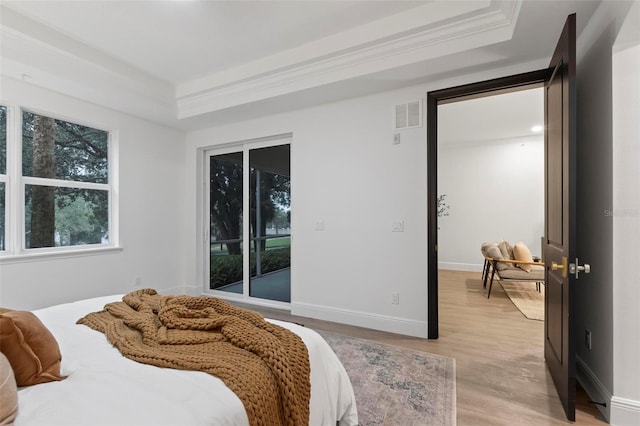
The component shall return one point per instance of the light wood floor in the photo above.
(501, 375)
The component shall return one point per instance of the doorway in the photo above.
(490, 176)
(442, 97)
(248, 202)
(559, 243)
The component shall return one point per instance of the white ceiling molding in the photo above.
(50, 59)
(44, 57)
(430, 31)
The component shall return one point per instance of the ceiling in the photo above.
(197, 63)
(504, 118)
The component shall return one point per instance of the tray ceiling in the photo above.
(192, 63)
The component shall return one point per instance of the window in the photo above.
(64, 193)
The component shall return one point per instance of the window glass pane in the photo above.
(62, 150)
(57, 216)
(2, 215)
(225, 222)
(270, 208)
(3, 140)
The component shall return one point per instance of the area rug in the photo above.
(396, 386)
(526, 298)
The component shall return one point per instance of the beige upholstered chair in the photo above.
(510, 263)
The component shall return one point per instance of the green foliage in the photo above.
(226, 199)
(281, 219)
(225, 270)
(274, 260)
(76, 222)
(80, 154)
(228, 269)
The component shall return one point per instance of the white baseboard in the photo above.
(624, 412)
(618, 411)
(453, 266)
(594, 387)
(361, 319)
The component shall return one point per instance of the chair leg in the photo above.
(490, 267)
(493, 272)
(484, 273)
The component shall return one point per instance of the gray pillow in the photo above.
(506, 249)
(494, 252)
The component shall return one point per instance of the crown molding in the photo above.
(41, 56)
(426, 35)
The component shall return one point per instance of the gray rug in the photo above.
(396, 386)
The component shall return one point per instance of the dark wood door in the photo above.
(560, 234)
(560, 170)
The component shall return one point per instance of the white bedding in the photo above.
(105, 388)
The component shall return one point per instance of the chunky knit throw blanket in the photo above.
(267, 366)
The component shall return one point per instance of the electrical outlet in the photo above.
(397, 226)
(587, 339)
(138, 282)
(395, 298)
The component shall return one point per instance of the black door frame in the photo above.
(439, 97)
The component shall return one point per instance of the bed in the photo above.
(103, 387)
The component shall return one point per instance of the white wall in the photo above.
(607, 299)
(495, 191)
(625, 216)
(347, 173)
(152, 213)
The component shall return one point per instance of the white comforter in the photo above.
(105, 388)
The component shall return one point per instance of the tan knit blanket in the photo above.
(267, 366)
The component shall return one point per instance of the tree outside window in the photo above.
(66, 191)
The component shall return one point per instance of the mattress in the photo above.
(105, 388)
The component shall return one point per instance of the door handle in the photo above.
(576, 268)
(557, 267)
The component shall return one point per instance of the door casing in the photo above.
(439, 97)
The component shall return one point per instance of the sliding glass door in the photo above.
(255, 180)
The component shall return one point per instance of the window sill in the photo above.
(59, 254)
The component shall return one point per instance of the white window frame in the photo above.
(15, 226)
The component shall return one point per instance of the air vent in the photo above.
(408, 115)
